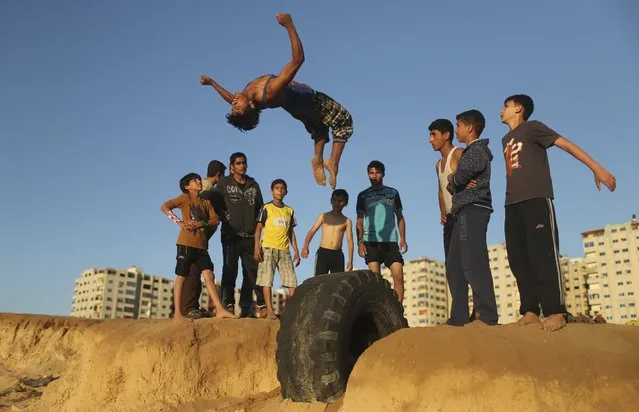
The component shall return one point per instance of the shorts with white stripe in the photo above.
(532, 242)
(276, 259)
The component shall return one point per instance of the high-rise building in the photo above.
(504, 284)
(425, 291)
(105, 293)
(575, 285)
(612, 266)
(108, 293)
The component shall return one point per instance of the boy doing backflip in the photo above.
(317, 111)
(329, 258)
(198, 219)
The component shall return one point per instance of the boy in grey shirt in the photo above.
(532, 239)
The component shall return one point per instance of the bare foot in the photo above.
(223, 313)
(553, 322)
(205, 80)
(318, 171)
(271, 316)
(332, 172)
(528, 319)
(477, 324)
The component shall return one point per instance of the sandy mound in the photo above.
(229, 365)
(505, 368)
(143, 365)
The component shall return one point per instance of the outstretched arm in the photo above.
(310, 234)
(601, 174)
(207, 81)
(290, 70)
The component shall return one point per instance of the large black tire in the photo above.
(326, 325)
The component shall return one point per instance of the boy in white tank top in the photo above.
(441, 138)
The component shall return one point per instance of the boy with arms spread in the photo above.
(329, 258)
(198, 217)
(377, 207)
(467, 261)
(317, 111)
(276, 220)
(532, 239)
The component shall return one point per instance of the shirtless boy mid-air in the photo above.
(329, 257)
(317, 111)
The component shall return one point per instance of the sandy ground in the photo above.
(504, 368)
(229, 365)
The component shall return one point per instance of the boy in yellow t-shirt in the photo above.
(272, 252)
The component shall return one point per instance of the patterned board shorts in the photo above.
(326, 113)
(280, 260)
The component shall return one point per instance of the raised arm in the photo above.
(310, 234)
(290, 70)
(349, 240)
(207, 81)
(601, 174)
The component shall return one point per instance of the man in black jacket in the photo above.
(237, 200)
(467, 261)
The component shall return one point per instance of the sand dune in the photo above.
(229, 365)
(505, 368)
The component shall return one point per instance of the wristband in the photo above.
(173, 217)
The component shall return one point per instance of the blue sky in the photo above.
(101, 113)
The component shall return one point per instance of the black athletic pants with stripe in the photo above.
(532, 242)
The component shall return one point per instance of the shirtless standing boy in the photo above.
(329, 257)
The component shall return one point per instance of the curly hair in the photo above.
(246, 121)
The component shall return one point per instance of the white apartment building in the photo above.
(107, 293)
(612, 265)
(575, 285)
(504, 283)
(425, 292)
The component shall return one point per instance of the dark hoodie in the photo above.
(474, 164)
(237, 207)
